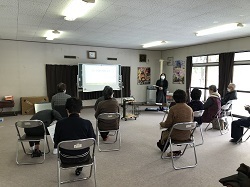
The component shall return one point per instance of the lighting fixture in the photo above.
(51, 35)
(152, 44)
(77, 8)
(218, 29)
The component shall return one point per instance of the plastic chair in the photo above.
(42, 106)
(109, 117)
(241, 138)
(24, 138)
(186, 126)
(198, 114)
(76, 145)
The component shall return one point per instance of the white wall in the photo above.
(22, 66)
(235, 45)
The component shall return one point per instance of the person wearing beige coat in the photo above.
(178, 113)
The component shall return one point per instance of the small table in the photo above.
(6, 104)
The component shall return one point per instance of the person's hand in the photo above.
(161, 123)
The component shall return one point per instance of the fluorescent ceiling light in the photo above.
(77, 8)
(52, 34)
(218, 29)
(152, 44)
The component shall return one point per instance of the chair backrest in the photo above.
(185, 126)
(77, 145)
(108, 116)
(29, 123)
(42, 106)
(227, 106)
(198, 113)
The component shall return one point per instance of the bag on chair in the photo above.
(218, 123)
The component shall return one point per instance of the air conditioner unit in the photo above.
(89, 1)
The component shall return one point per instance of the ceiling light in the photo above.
(52, 34)
(218, 29)
(152, 44)
(77, 8)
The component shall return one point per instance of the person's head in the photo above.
(73, 105)
(231, 87)
(61, 87)
(179, 96)
(196, 94)
(212, 89)
(163, 76)
(108, 92)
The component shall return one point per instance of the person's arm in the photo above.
(165, 87)
(56, 115)
(91, 133)
(52, 102)
(57, 135)
(97, 112)
(169, 121)
(208, 103)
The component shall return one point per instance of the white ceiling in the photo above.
(124, 23)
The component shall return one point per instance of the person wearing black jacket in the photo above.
(230, 95)
(47, 117)
(73, 128)
(161, 86)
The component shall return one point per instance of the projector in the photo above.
(89, 1)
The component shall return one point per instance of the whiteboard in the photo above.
(94, 77)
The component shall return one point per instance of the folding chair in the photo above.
(225, 110)
(241, 138)
(186, 126)
(198, 114)
(24, 138)
(109, 117)
(73, 145)
(42, 106)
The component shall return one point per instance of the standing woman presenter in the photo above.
(161, 86)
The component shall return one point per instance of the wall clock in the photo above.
(91, 54)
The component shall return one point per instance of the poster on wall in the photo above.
(179, 72)
(143, 75)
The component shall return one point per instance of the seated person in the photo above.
(100, 98)
(109, 105)
(212, 105)
(47, 117)
(178, 113)
(58, 100)
(230, 95)
(73, 128)
(195, 103)
(236, 129)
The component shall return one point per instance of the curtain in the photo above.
(226, 62)
(68, 75)
(61, 73)
(189, 66)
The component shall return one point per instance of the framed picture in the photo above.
(91, 54)
(142, 58)
(170, 61)
(179, 72)
(143, 75)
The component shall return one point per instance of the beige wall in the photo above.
(22, 66)
(242, 44)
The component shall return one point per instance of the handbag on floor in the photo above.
(218, 123)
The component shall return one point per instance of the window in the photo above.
(205, 72)
(240, 79)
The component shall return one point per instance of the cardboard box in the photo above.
(27, 104)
